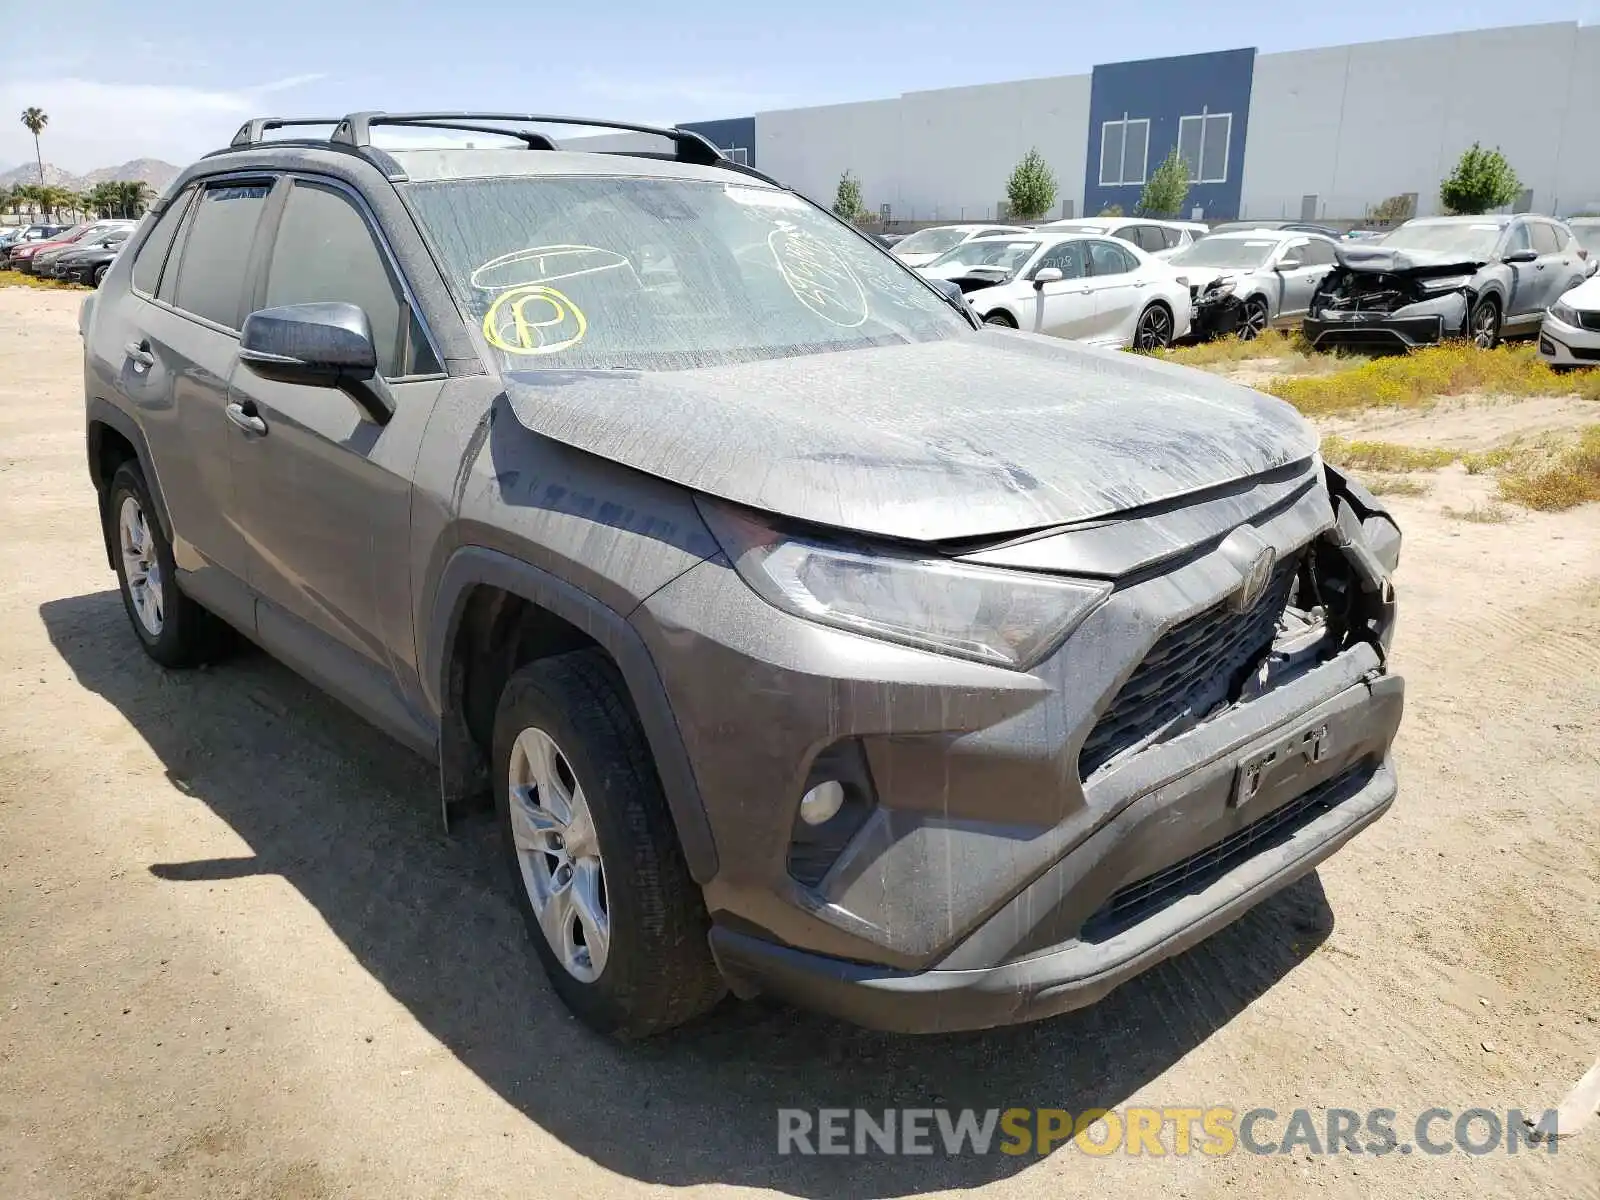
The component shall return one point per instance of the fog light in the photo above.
(819, 805)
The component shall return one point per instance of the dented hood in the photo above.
(1359, 256)
(985, 434)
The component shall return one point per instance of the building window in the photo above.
(737, 154)
(1123, 148)
(1203, 146)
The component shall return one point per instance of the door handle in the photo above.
(139, 354)
(246, 418)
(1138, 283)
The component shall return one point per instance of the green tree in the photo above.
(1482, 180)
(1111, 210)
(1031, 190)
(847, 204)
(36, 119)
(1167, 188)
(1395, 208)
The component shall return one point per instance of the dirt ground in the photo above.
(238, 957)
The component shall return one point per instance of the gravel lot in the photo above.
(238, 958)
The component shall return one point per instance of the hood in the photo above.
(1360, 256)
(1585, 296)
(984, 434)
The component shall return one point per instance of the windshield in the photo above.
(1469, 239)
(930, 241)
(1007, 254)
(592, 272)
(1245, 254)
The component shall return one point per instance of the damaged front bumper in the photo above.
(1032, 839)
(1356, 309)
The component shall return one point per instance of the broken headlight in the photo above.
(1004, 618)
(1445, 283)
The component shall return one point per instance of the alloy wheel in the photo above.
(1154, 331)
(1484, 327)
(559, 854)
(1255, 321)
(141, 566)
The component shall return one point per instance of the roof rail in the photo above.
(252, 131)
(356, 130)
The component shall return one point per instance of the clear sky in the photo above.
(173, 78)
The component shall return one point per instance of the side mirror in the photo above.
(1046, 275)
(1520, 256)
(317, 345)
(1290, 264)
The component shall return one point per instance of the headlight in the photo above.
(1222, 287)
(1006, 618)
(1565, 313)
(1445, 283)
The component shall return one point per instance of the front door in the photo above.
(324, 492)
(1528, 279)
(1301, 266)
(1064, 308)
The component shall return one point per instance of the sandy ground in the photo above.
(238, 958)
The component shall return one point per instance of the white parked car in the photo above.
(1569, 336)
(925, 245)
(1071, 285)
(1160, 239)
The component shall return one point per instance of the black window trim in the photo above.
(375, 227)
(184, 199)
(1115, 243)
(200, 184)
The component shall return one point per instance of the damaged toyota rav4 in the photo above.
(809, 638)
(1446, 277)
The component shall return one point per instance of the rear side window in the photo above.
(1171, 237)
(1110, 259)
(153, 254)
(1544, 237)
(216, 251)
(326, 251)
(1152, 238)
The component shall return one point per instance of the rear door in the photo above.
(179, 352)
(1118, 289)
(324, 491)
(1555, 271)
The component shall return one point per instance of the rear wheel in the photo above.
(1154, 330)
(99, 274)
(595, 866)
(1483, 326)
(1000, 319)
(172, 628)
(1254, 322)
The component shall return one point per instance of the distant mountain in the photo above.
(147, 170)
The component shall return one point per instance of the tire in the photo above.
(1153, 330)
(1255, 319)
(99, 274)
(1000, 320)
(654, 969)
(1483, 324)
(183, 634)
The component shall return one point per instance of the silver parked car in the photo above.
(1248, 281)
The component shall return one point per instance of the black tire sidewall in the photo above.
(1255, 304)
(999, 321)
(1472, 322)
(641, 860)
(1145, 316)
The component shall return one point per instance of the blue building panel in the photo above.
(1139, 107)
(737, 133)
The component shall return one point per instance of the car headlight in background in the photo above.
(1005, 618)
(1445, 283)
(1565, 313)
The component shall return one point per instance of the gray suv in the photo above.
(810, 638)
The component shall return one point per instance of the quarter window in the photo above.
(1123, 149)
(216, 251)
(1203, 146)
(326, 251)
(153, 254)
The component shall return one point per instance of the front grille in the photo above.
(1591, 320)
(1134, 902)
(1196, 665)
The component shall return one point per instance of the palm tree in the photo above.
(36, 119)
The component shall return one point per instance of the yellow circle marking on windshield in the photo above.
(554, 322)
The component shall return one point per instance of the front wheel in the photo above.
(1483, 325)
(595, 865)
(1254, 322)
(1154, 330)
(1000, 320)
